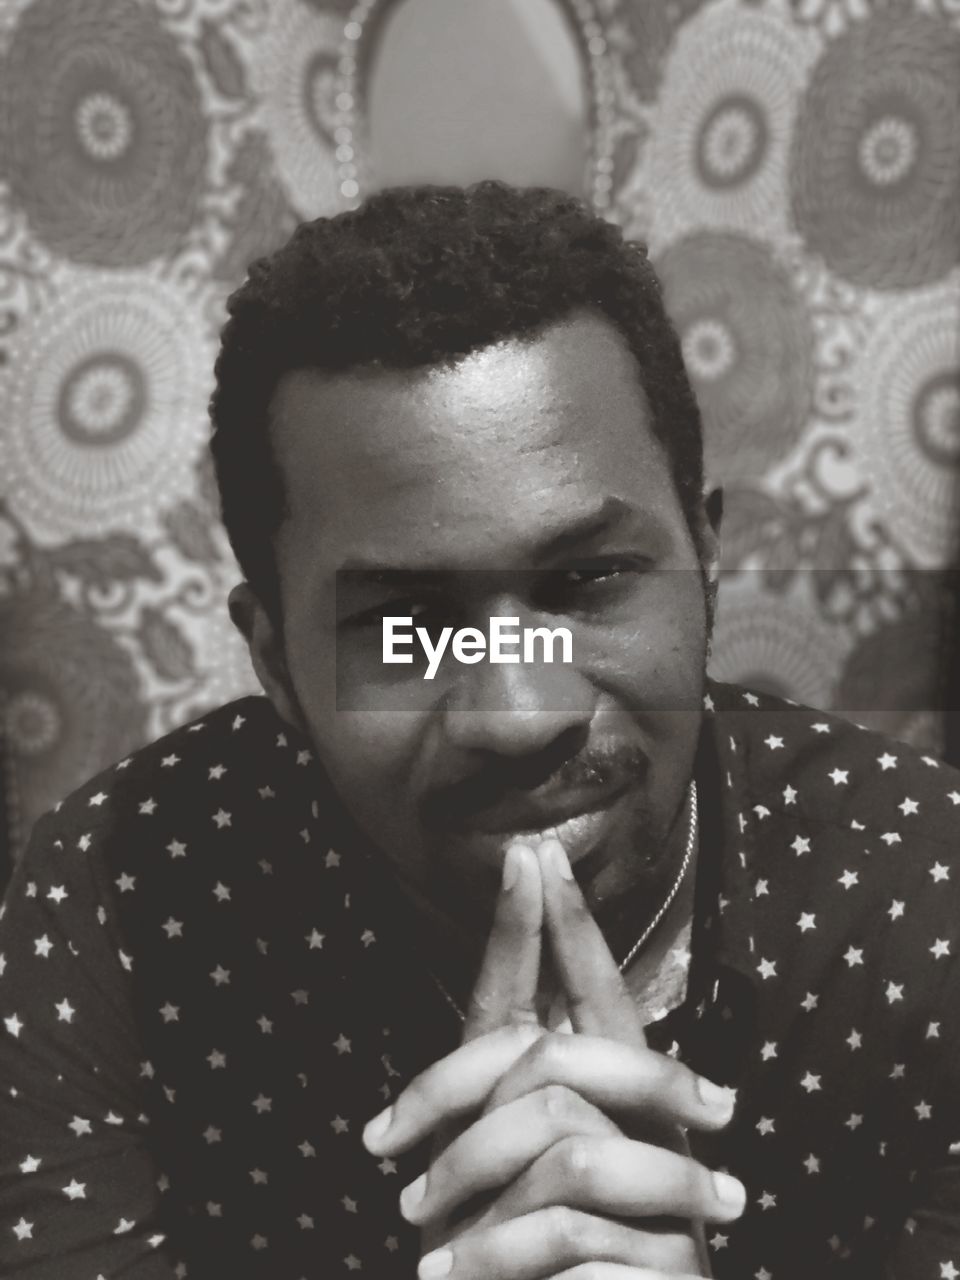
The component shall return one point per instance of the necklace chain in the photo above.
(662, 911)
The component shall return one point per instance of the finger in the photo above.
(450, 1088)
(621, 1178)
(506, 986)
(617, 1078)
(499, 1146)
(597, 997)
(542, 1243)
(613, 1271)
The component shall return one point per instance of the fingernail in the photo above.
(731, 1193)
(411, 1197)
(513, 865)
(557, 855)
(436, 1264)
(377, 1127)
(716, 1097)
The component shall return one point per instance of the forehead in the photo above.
(460, 460)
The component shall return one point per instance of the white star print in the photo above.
(839, 776)
(765, 1125)
(13, 1025)
(75, 1190)
(940, 948)
(216, 1059)
(948, 1271)
(212, 1134)
(939, 872)
(896, 909)
(890, 838)
(894, 992)
(768, 1051)
(169, 761)
(216, 772)
(807, 921)
(854, 1040)
(923, 1110)
(23, 1230)
(80, 1126)
(30, 1164)
(177, 849)
(315, 940)
(173, 928)
(812, 1164)
(57, 893)
(221, 892)
(148, 807)
(853, 956)
(42, 946)
(810, 1083)
(65, 1011)
(262, 1104)
(767, 969)
(169, 1012)
(953, 797)
(773, 742)
(789, 795)
(853, 1121)
(125, 883)
(767, 1201)
(908, 806)
(801, 845)
(849, 879)
(820, 727)
(341, 1044)
(887, 761)
(220, 976)
(809, 1002)
(222, 819)
(98, 799)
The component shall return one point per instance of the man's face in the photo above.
(522, 481)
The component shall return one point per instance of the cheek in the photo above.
(367, 757)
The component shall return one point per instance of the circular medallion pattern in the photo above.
(748, 347)
(907, 426)
(875, 169)
(774, 643)
(72, 698)
(103, 133)
(720, 139)
(295, 69)
(105, 401)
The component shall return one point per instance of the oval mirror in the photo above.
(458, 90)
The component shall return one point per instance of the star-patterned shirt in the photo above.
(206, 993)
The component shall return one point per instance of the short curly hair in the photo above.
(419, 276)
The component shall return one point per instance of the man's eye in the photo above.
(599, 571)
(425, 613)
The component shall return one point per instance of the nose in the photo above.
(516, 709)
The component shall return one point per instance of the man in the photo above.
(542, 918)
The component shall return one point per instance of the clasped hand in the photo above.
(557, 1155)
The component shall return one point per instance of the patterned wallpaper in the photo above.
(795, 168)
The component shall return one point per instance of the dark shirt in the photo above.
(206, 996)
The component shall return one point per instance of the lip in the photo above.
(580, 833)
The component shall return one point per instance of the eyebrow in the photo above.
(612, 512)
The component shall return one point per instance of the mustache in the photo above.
(603, 767)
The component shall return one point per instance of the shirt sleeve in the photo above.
(929, 1245)
(80, 1194)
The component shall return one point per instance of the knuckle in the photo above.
(671, 1252)
(576, 1162)
(560, 1103)
(552, 1053)
(563, 1229)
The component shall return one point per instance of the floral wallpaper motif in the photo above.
(795, 168)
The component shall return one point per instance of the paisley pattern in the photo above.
(793, 165)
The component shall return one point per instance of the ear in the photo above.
(710, 539)
(265, 645)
